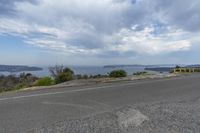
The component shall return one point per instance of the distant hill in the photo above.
(120, 66)
(16, 68)
(138, 65)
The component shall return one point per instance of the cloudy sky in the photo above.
(91, 32)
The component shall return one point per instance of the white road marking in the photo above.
(79, 90)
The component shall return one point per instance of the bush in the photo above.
(61, 74)
(13, 82)
(140, 73)
(117, 73)
(66, 70)
(63, 77)
(20, 86)
(46, 81)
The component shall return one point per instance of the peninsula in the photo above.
(18, 68)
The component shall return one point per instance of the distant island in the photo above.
(138, 65)
(117, 66)
(17, 68)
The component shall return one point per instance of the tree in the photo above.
(56, 70)
(117, 73)
(63, 77)
(61, 74)
(66, 70)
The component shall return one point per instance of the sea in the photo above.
(83, 70)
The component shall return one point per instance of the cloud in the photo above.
(183, 14)
(103, 27)
(146, 42)
(7, 7)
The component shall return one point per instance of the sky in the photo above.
(103, 32)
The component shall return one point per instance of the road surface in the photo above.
(145, 106)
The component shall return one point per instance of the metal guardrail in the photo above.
(186, 70)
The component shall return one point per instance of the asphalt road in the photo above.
(170, 105)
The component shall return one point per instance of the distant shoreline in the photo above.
(18, 68)
(88, 70)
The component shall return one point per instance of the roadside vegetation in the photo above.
(140, 73)
(59, 74)
(117, 74)
(45, 81)
(56, 70)
(13, 82)
(79, 76)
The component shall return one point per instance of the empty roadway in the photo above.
(40, 110)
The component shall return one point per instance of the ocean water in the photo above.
(88, 70)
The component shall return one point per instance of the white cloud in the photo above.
(95, 27)
(145, 42)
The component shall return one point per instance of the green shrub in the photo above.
(21, 85)
(45, 81)
(63, 77)
(68, 70)
(117, 73)
(140, 73)
(14, 82)
(61, 74)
